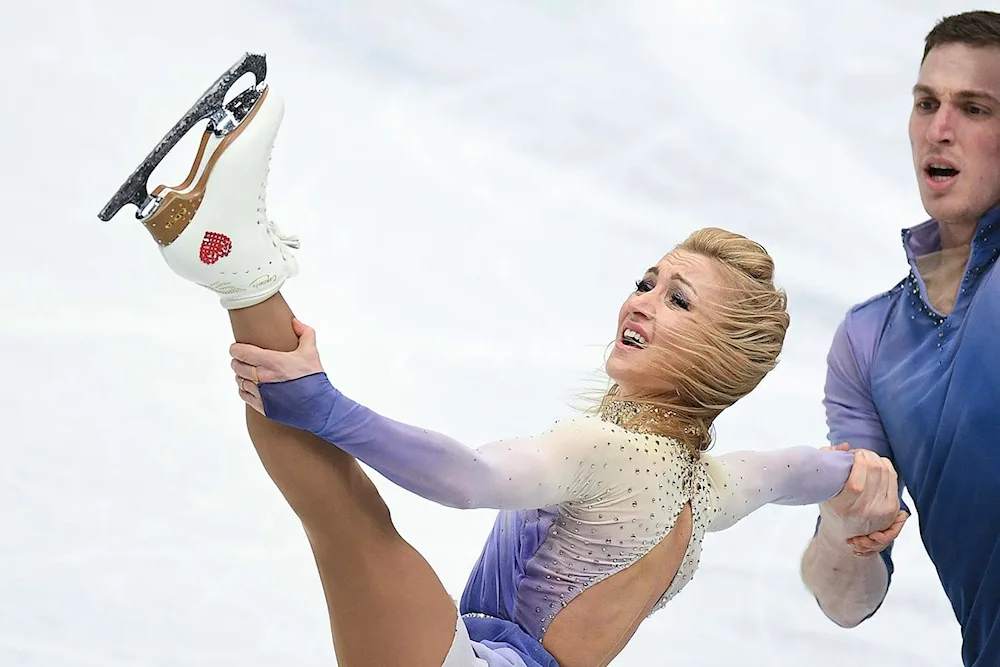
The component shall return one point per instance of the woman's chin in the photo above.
(619, 370)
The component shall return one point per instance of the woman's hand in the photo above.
(254, 365)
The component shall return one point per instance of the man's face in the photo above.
(955, 132)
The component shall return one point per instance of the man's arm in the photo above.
(848, 587)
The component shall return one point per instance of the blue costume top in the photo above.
(923, 389)
(580, 502)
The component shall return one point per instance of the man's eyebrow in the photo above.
(962, 94)
(976, 95)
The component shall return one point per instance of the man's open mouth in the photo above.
(940, 171)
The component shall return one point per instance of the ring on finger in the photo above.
(256, 378)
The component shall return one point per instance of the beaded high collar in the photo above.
(645, 419)
(925, 238)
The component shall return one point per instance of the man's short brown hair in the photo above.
(976, 28)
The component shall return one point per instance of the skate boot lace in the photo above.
(280, 240)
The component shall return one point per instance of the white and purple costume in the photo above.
(578, 503)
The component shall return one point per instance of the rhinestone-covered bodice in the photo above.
(635, 485)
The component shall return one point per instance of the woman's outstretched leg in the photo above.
(386, 604)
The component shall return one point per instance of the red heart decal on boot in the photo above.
(214, 247)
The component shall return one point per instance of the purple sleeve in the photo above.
(517, 474)
(746, 481)
(851, 415)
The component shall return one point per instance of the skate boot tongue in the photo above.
(282, 240)
(289, 240)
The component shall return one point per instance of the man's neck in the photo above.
(942, 273)
(959, 233)
(956, 234)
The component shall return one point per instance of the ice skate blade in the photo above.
(176, 206)
(223, 117)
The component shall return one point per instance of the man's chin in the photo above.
(947, 207)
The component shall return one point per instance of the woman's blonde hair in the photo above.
(721, 364)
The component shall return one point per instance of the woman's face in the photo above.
(675, 303)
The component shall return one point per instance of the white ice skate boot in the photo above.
(213, 228)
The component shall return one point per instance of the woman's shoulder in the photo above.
(586, 430)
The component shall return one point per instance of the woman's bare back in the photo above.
(596, 626)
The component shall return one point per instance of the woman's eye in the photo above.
(643, 285)
(678, 300)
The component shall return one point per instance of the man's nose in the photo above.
(942, 126)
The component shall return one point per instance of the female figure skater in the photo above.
(602, 517)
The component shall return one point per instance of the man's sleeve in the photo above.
(851, 415)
